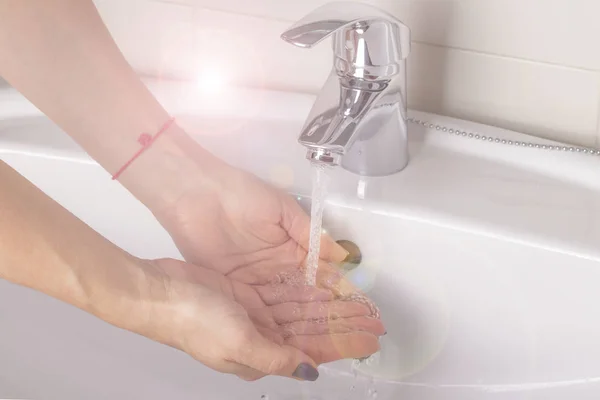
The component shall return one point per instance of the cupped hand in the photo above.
(253, 330)
(234, 223)
(232, 219)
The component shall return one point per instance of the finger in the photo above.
(331, 251)
(328, 348)
(272, 334)
(266, 357)
(277, 294)
(267, 272)
(297, 223)
(289, 312)
(262, 318)
(244, 372)
(344, 325)
(331, 278)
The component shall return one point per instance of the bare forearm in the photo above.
(59, 54)
(46, 248)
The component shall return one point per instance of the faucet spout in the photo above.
(360, 125)
(336, 114)
(359, 119)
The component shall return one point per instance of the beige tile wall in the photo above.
(527, 65)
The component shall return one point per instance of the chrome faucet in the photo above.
(359, 119)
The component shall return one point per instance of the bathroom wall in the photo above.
(527, 65)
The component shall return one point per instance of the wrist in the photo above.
(172, 166)
(117, 291)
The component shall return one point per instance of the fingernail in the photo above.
(306, 372)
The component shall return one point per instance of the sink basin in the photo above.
(484, 258)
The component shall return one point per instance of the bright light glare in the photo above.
(361, 189)
(212, 79)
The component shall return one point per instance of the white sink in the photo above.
(484, 258)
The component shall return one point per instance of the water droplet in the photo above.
(355, 367)
(352, 387)
(361, 298)
(264, 397)
(361, 189)
(371, 391)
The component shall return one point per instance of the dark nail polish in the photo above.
(306, 372)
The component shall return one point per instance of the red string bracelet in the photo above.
(146, 141)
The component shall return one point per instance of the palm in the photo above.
(248, 224)
(306, 318)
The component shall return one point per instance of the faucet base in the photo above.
(370, 172)
(381, 145)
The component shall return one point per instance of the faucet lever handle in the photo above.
(341, 18)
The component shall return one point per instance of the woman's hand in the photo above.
(249, 330)
(231, 219)
(233, 222)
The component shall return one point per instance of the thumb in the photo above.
(331, 251)
(297, 224)
(272, 359)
